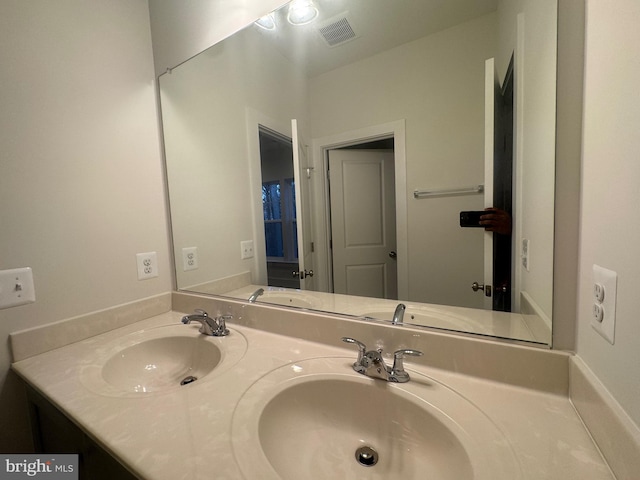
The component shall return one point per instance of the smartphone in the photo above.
(471, 218)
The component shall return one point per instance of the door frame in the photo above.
(254, 120)
(320, 148)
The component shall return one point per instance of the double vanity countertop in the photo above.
(526, 327)
(209, 428)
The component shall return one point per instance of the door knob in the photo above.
(475, 286)
(302, 274)
(393, 254)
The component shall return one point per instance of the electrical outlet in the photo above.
(246, 249)
(147, 265)
(603, 300)
(524, 255)
(16, 287)
(189, 258)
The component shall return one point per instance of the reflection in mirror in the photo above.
(279, 209)
(402, 110)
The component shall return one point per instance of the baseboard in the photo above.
(613, 431)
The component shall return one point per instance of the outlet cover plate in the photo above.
(147, 265)
(189, 258)
(603, 299)
(524, 255)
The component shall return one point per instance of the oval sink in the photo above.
(161, 359)
(316, 420)
(427, 318)
(289, 299)
(161, 363)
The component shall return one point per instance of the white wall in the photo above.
(81, 188)
(610, 229)
(206, 143)
(535, 145)
(437, 85)
(568, 166)
(535, 114)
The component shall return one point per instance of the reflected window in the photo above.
(279, 211)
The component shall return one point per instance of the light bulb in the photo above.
(301, 12)
(267, 22)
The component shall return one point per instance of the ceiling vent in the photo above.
(337, 30)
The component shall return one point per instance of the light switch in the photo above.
(246, 249)
(16, 287)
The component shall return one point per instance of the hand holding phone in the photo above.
(491, 219)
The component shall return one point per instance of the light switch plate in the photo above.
(16, 287)
(603, 302)
(246, 249)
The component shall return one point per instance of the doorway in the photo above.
(362, 218)
(503, 191)
(395, 134)
(279, 208)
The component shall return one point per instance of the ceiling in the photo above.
(378, 25)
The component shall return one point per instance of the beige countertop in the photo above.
(186, 432)
(445, 317)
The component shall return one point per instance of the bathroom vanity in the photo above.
(278, 398)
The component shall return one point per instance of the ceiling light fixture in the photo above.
(267, 22)
(302, 12)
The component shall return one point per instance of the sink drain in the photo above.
(366, 456)
(188, 380)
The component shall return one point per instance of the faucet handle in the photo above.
(398, 365)
(362, 349)
(221, 325)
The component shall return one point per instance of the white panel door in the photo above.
(302, 169)
(363, 224)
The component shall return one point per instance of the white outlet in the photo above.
(524, 255)
(189, 258)
(147, 265)
(16, 287)
(246, 249)
(603, 320)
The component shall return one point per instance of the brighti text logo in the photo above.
(30, 468)
(16, 467)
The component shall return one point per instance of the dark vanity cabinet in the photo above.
(53, 432)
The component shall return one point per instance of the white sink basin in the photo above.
(160, 360)
(427, 317)
(318, 419)
(161, 363)
(289, 299)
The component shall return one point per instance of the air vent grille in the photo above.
(337, 31)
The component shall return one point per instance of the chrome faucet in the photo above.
(215, 327)
(254, 296)
(398, 315)
(371, 363)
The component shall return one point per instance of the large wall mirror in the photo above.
(321, 158)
